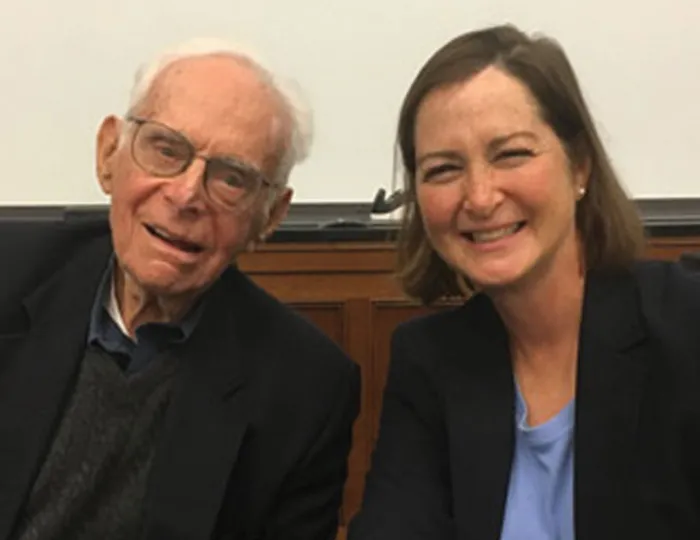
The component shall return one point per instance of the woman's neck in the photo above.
(543, 319)
(543, 314)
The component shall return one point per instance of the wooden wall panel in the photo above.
(358, 331)
(348, 324)
(386, 316)
(328, 316)
(671, 248)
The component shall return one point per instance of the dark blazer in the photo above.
(442, 463)
(259, 427)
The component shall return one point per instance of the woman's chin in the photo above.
(502, 272)
(501, 278)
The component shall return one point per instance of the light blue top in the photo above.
(540, 493)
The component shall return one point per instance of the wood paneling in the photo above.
(349, 292)
(671, 248)
(328, 316)
(386, 316)
(358, 333)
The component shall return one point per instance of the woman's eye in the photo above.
(438, 170)
(514, 153)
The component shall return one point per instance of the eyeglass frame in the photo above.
(261, 179)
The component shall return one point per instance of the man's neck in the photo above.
(138, 307)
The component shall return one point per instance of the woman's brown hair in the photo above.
(606, 218)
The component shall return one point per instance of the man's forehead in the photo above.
(214, 79)
(215, 96)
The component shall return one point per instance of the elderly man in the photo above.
(149, 390)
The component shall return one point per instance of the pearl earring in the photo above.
(581, 192)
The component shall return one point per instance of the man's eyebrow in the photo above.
(162, 135)
(237, 163)
(231, 159)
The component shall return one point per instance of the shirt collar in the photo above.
(106, 313)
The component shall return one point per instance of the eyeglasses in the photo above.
(161, 151)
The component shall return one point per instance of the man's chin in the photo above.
(163, 280)
(168, 285)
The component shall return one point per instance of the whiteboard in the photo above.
(66, 64)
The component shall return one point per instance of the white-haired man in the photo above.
(150, 390)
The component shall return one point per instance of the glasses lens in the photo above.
(231, 184)
(160, 150)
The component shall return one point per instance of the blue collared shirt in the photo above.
(134, 354)
(540, 493)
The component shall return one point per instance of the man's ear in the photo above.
(278, 212)
(107, 145)
(275, 215)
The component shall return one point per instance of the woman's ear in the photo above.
(582, 176)
(107, 145)
(580, 160)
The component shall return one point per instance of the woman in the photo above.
(562, 400)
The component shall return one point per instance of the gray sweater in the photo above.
(93, 481)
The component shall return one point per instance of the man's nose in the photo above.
(185, 191)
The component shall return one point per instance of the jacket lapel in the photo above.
(38, 369)
(611, 374)
(480, 407)
(206, 422)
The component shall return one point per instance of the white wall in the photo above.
(65, 64)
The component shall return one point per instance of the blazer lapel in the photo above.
(480, 405)
(206, 424)
(37, 373)
(611, 374)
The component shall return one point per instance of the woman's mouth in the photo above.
(491, 235)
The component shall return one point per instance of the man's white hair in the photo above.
(299, 115)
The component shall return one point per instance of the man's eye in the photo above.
(235, 180)
(167, 151)
(165, 148)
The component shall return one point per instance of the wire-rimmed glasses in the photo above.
(164, 152)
